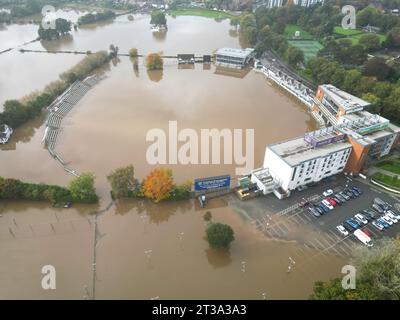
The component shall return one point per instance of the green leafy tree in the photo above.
(219, 236)
(123, 182)
(370, 42)
(294, 56)
(158, 18)
(376, 67)
(82, 188)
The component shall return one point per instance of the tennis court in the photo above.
(310, 48)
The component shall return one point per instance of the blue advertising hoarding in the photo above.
(212, 183)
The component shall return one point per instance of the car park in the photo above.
(360, 218)
(327, 193)
(392, 218)
(383, 222)
(387, 220)
(342, 230)
(377, 208)
(327, 204)
(378, 225)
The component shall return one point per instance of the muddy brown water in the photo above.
(107, 129)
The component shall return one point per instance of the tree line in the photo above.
(18, 112)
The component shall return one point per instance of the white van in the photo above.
(360, 235)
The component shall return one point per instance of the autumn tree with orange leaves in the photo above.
(158, 184)
(154, 61)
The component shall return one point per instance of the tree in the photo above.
(294, 56)
(158, 18)
(207, 216)
(376, 67)
(62, 28)
(123, 182)
(158, 184)
(370, 42)
(378, 275)
(154, 61)
(234, 22)
(133, 53)
(219, 236)
(393, 38)
(82, 188)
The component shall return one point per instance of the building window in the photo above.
(294, 173)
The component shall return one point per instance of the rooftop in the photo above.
(349, 102)
(297, 151)
(237, 53)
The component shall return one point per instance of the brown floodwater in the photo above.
(107, 129)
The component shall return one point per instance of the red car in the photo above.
(366, 231)
(331, 201)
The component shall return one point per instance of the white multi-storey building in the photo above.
(307, 3)
(274, 3)
(317, 155)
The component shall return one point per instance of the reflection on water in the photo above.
(160, 36)
(218, 258)
(155, 75)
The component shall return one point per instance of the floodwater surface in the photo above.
(145, 250)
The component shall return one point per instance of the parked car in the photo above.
(366, 231)
(344, 195)
(323, 208)
(358, 224)
(340, 197)
(349, 227)
(328, 192)
(397, 216)
(319, 210)
(350, 194)
(384, 205)
(370, 213)
(383, 222)
(353, 223)
(337, 200)
(353, 192)
(388, 220)
(331, 201)
(357, 189)
(378, 225)
(327, 204)
(391, 217)
(342, 230)
(360, 218)
(377, 208)
(314, 212)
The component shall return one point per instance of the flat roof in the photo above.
(343, 98)
(237, 53)
(297, 151)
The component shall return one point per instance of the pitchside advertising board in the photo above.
(212, 183)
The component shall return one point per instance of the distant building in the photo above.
(353, 138)
(5, 133)
(300, 161)
(234, 58)
(371, 29)
(307, 3)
